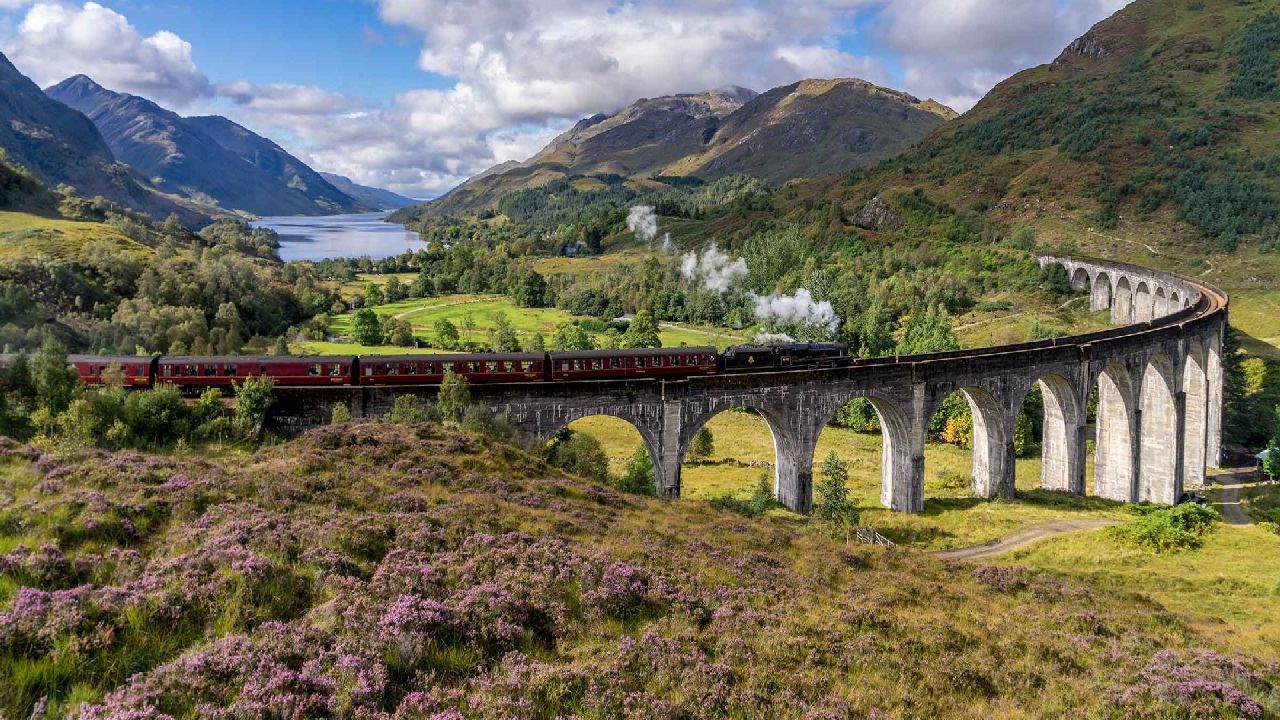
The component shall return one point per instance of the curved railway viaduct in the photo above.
(1158, 379)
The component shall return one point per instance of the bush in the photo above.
(156, 417)
(340, 414)
(253, 399)
(455, 397)
(406, 410)
(578, 454)
(1166, 529)
(703, 445)
(638, 476)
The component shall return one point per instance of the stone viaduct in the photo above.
(1158, 379)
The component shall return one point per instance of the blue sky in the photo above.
(417, 95)
(337, 44)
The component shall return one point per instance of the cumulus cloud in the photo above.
(957, 50)
(288, 99)
(520, 71)
(54, 41)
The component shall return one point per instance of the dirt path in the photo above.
(1229, 497)
(1025, 537)
(401, 315)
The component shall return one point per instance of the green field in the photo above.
(423, 313)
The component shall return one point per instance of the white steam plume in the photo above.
(765, 338)
(643, 221)
(798, 310)
(714, 269)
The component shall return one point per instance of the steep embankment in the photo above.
(376, 570)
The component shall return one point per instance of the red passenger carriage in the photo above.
(431, 369)
(284, 371)
(94, 370)
(620, 364)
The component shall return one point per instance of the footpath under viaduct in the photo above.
(1158, 378)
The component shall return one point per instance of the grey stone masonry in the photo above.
(1158, 377)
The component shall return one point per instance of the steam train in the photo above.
(199, 372)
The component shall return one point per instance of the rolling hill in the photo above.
(809, 127)
(187, 156)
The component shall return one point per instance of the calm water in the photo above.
(337, 236)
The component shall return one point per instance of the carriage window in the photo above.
(579, 365)
(428, 368)
(229, 370)
(526, 365)
(597, 364)
(564, 365)
(368, 371)
(393, 369)
(615, 363)
(474, 366)
(314, 369)
(490, 366)
(168, 371)
(191, 371)
(335, 370)
(640, 362)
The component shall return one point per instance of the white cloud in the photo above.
(520, 71)
(957, 50)
(56, 41)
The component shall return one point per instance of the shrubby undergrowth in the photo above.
(381, 570)
(1166, 529)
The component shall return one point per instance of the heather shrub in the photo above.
(1166, 529)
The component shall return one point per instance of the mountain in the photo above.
(274, 160)
(371, 197)
(181, 157)
(808, 127)
(58, 145)
(1158, 124)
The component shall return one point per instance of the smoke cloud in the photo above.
(797, 311)
(715, 270)
(643, 221)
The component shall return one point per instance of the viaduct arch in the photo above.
(1158, 376)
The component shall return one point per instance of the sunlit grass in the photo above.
(483, 310)
(1229, 588)
(26, 236)
(952, 517)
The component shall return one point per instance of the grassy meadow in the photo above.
(23, 235)
(423, 313)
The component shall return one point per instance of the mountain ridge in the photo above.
(59, 145)
(837, 123)
(180, 155)
(373, 197)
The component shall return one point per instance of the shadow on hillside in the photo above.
(1065, 501)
